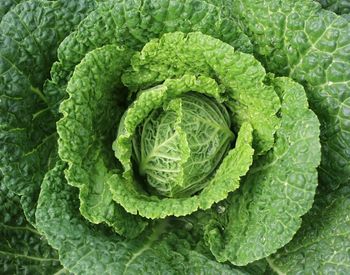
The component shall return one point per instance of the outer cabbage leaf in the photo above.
(322, 244)
(301, 40)
(346, 16)
(6, 5)
(264, 214)
(134, 23)
(168, 247)
(29, 36)
(87, 130)
(337, 6)
(22, 248)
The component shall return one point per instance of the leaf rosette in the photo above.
(174, 144)
(190, 120)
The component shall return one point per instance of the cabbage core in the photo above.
(181, 145)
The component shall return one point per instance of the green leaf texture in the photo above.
(6, 5)
(337, 6)
(322, 244)
(279, 188)
(91, 208)
(22, 249)
(190, 131)
(288, 170)
(240, 74)
(134, 23)
(29, 36)
(169, 247)
(152, 99)
(301, 40)
(87, 130)
(226, 179)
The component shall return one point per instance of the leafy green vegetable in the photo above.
(93, 111)
(29, 37)
(311, 45)
(191, 130)
(322, 245)
(174, 137)
(274, 194)
(174, 55)
(86, 133)
(338, 6)
(170, 247)
(133, 23)
(22, 248)
(6, 5)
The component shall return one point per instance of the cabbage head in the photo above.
(174, 137)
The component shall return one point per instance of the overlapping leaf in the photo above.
(90, 119)
(338, 6)
(301, 40)
(134, 23)
(22, 249)
(291, 38)
(29, 36)
(322, 244)
(168, 247)
(279, 188)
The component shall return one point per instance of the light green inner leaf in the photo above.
(175, 54)
(279, 188)
(192, 131)
(86, 131)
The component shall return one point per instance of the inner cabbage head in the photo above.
(179, 146)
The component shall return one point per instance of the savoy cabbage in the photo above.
(174, 137)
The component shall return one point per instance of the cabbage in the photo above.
(174, 137)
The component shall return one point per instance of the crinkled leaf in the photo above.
(134, 23)
(29, 36)
(169, 246)
(226, 179)
(22, 249)
(322, 244)
(241, 74)
(190, 131)
(86, 132)
(264, 214)
(6, 5)
(28, 40)
(126, 189)
(337, 6)
(151, 99)
(311, 45)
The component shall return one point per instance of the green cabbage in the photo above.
(192, 131)
(174, 137)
